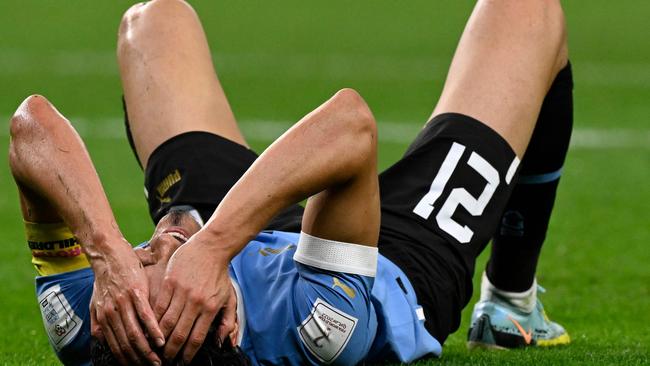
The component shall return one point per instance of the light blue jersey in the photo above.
(64, 301)
(291, 311)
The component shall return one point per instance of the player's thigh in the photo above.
(170, 85)
(506, 59)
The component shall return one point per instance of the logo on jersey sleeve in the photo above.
(266, 251)
(326, 331)
(60, 321)
(347, 289)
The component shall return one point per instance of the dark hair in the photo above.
(209, 354)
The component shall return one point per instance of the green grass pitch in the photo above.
(279, 60)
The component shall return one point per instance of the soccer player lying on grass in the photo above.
(294, 286)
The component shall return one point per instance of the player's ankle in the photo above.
(525, 301)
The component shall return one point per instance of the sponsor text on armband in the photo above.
(54, 248)
(58, 248)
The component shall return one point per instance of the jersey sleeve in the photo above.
(63, 289)
(63, 300)
(54, 248)
(338, 320)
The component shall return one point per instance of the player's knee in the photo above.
(545, 22)
(169, 11)
(541, 22)
(556, 31)
(552, 25)
(149, 19)
(130, 17)
(563, 53)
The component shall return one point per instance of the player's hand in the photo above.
(120, 303)
(196, 287)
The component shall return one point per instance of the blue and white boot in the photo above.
(503, 320)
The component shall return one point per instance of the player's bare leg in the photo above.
(170, 85)
(506, 61)
(171, 88)
(443, 200)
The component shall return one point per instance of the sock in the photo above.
(524, 300)
(518, 241)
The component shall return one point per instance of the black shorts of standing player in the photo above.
(198, 169)
(440, 205)
(440, 202)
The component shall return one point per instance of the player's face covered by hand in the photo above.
(172, 231)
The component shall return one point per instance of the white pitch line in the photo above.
(389, 132)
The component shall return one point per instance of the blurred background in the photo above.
(279, 60)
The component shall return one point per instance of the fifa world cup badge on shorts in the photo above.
(326, 331)
(60, 321)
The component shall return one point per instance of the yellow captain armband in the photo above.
(54, 248)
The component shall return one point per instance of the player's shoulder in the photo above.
(269, 246)
(277, 237)
(263, 258)
(313, 296)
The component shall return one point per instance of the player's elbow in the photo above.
(28, 117)
(23, 127)
(358, 124)
(349, 100)
(35, 121)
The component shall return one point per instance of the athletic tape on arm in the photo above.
(336, 256)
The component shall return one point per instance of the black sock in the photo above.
(518, 241)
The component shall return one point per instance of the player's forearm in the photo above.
(48, 158)
(330, 147)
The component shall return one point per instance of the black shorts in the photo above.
(198, 169)
(440, 205)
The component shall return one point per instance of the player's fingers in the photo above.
(197, 336)
(123, 344)
(145, 256)
(146, 314)
(163, 299)
(234, 335)
(228, 318)
(109, 335)
(182, 329)
(95, 327)
(114, 345)
(169, 321)
(134, 334)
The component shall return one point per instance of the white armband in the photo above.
(336, 256)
